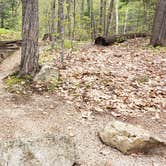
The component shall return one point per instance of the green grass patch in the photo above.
(6, 34)
(18, 85)
(143, 79)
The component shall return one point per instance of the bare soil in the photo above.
(36, 115)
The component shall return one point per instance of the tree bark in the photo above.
(82, 9)
(159, 25)
(93, 25)
(74, 19)
(69, 18)
(126, 19)
(61, 28)
(2, 7)
(109, 16)
(117, 16)
(30, 26)
(104, 17)
(101, 16)
(53, 4)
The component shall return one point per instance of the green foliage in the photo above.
(9, 13)
(67, 44)
(138, 14)
(9, 34)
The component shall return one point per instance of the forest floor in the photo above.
(125, 81)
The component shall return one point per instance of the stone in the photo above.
(45, 151)
(108, 163)
(47, 73)
(129, 138)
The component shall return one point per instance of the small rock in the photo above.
(47, 73)
(128, 138)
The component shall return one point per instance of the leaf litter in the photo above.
(123, 79)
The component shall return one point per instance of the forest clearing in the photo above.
(69, 101)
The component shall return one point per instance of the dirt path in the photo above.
(36, 115)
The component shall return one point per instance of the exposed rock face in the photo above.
(47, 151)
(128, 138)
(47, 73)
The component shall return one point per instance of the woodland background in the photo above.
(82, 20)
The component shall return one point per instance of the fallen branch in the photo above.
(10, 43)
(106, 41)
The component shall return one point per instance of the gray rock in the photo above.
(47, 151)
(128, 138)
(47, 73)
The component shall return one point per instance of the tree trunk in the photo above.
(101, 16)
(104, 19)
(93, 26)
(2, 14)
(69, 18)
(53, 4)
(109, 16)
(159, 25)
(82, 9)
(60, 10)
(60, 26)
(74, 19)
(146, 4)
(126, 19)
(30, 26)
(2, 21)
(117, 16)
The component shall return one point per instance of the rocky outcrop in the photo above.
(128, 138)
(47, 151)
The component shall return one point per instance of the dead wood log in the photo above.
(106, 41)
(10, 43)
(13, 45)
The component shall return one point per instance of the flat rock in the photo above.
(128, 138)
(45, 151)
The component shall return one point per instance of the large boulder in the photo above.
(46, 151)
(47, 73)
(128, 138)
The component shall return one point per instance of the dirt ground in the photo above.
(36, 115)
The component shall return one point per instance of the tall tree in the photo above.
(159, 25)
(69, 17)
(92, 20)
(30, 26)
(53, 4)
(117, 16)
(146, 4)
(101, 16)
(82, 8)
(60, 26)
(110, 10)
(104, 17)
(74, 19)
(126, 19)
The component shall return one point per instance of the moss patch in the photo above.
(17, 85)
